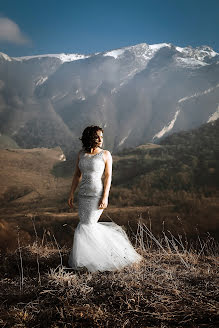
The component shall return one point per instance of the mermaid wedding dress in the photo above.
(97, 246)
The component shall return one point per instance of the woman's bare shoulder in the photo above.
(107, 154)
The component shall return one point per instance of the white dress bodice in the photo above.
(92, 168)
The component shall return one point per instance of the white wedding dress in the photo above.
(97, 246)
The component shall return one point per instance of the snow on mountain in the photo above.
(141, 51)
(214, 116)
(198, 53)
(63, 57)
(137, 57)
(145, 51)
(41, 80)
(124, 139)
(191, 62)
(168, 127)
(59, 96)
(198, 94)
(6, 57)
(188, 56)
(114, 53)
(158, 46)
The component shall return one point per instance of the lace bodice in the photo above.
(92, 168)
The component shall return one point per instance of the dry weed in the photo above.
(176, 285)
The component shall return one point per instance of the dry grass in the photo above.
(176, 285)
(26, 176)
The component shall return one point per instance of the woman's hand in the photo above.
(71, 200)
(103, 203)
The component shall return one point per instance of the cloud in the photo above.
(10, 32)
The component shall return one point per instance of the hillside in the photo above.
(7, 142)
(26, 175)
(183, 165)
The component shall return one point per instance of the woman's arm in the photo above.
(75, 181)
(107, 180)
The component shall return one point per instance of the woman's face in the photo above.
(99, 138)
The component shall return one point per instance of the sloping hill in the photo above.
(184, 164)
(26, 174)
(182, 167)
(7, 142)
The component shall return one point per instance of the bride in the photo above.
(97, 246)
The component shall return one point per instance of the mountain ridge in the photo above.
(132, 92)
(197, 51)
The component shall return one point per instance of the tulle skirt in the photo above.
(99, 246)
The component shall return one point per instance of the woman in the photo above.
(97, 245)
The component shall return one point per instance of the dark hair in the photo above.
(89, 137)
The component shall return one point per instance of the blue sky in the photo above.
(30, 27)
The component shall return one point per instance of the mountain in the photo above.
(138, 94)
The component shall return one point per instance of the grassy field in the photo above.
(175, 285)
